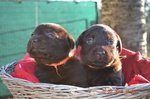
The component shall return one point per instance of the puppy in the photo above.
(99, 48)
(52, 48)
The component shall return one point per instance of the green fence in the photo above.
(18, 20)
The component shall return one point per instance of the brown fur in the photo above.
(50, 44)
(100, 47)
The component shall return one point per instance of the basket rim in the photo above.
(60, 90)
(6, 76)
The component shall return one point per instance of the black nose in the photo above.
(35, 41)
(33, 44)
(100, 53)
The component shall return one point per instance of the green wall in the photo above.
(18, 20)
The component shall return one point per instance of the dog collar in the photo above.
(71, 54)
(55, 65)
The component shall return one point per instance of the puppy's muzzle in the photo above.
(34, 43)
(36, 49)
(100, 54)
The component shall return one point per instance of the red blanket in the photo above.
(136, 69)
(25, 69)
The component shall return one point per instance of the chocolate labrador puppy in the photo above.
(52, 48)
(99, 48)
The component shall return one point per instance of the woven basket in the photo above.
(23, 89)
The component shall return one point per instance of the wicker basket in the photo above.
(22, 89)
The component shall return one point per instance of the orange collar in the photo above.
(71, 54)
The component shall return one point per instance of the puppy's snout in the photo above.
(33, 45)
(100, 53)
(35, 41)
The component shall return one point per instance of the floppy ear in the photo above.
(79, 41)
(119, 44)
(80, 38)
(78, 45)
(71, 42)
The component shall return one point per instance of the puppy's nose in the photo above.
(34, 43)
(100, 53)
(35, 40)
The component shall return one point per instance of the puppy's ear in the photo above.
(77, 52)
(119, 44)
(78, 45)
(71, 42)
(79, 39)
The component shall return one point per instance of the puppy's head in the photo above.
(49, 43)
(100, 46)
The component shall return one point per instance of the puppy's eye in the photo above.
(110, 42)
(90, 40)
(50, 35)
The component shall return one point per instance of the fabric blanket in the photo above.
(25, 69)
(136, 69)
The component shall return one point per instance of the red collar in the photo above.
(71, 54)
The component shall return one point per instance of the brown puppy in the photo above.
(99, 48)
(52, 48)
